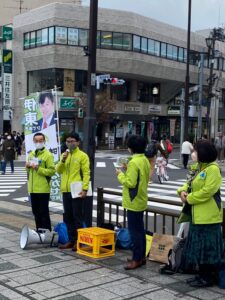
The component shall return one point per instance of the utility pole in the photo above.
(187, 79)
(200, 82)
(90, 118)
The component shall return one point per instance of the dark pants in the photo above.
(5, 163)
(73, 215)
(137, 233)
(39, 204)
(208, 272)
(185, 160)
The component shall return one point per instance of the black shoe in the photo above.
(192, 279)
(200, 283)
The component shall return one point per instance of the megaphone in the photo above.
(29, 236)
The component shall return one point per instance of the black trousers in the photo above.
(185, 159)
(73, 215)
(39, 204)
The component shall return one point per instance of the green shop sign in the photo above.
(7, 61)
(7, 33)
(69, 102)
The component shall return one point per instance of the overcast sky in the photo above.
(205, 13)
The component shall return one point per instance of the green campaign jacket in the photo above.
(204, 208)
(135, 183)
(75, 168)
(39, 180)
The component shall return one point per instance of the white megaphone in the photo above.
(29, 236)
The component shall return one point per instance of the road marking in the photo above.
(100, 164)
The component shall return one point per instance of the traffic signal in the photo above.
(80, 113)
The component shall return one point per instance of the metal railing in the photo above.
(154, 217)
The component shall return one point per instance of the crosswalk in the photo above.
(9, 183)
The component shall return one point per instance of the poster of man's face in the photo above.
(46, 105)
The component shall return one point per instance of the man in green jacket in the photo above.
(74, 166)
(40, 167)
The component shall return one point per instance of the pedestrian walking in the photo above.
(40, 167)
(203, 207)
(135, 197)
(74, 166)
(8, 153)
(186, 150)
(220, 146)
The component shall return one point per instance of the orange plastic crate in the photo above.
(96, 242)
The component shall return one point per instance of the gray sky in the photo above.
(205, 13)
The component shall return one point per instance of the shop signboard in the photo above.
(172, 127)
(174, 110)
(130, 127)
(154, 109)
(7, 61)
(7, 90)
(129, 108)
(68, 103)
(7, 33)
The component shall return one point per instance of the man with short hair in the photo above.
(40, 167)
(74, 166)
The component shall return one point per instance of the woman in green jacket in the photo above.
(135, 197)
(204, 246)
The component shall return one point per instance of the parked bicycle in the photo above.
(161, 169)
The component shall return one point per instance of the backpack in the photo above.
(61, 229)
(169, 146)
(123, 239)
(151, 150)
(175, 258)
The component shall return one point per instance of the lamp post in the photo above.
(187, 78)
(90, 118)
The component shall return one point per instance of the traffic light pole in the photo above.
(90, 118)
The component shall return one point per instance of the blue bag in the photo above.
(61, 229)
(123, 239)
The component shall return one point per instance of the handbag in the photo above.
(161, 245)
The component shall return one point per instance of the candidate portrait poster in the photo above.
(39, 116)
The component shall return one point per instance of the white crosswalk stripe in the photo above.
(9, 183)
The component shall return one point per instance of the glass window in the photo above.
(98, 38)
(51, 35)
(151, 46)
(83, 37)
(144, 45)
(185, 55)
(117, 40)
(163, 49)
(106, 39)
(81, 81)
(61, 35)
(44, 37)
(169, 51)
(32, 39)
(136, 43)
(157, 48)
(26, 42)
(38, 38)
(174, 52)
(127, 41)
(144, 92)
(73, 36)
(181, 54)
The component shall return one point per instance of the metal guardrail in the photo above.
(154, 217)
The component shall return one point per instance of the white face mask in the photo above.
(9, 137)
(39, 145)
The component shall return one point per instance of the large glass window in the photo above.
(51, 35)
(144, 92)
(73, 36)
(127, 41)
(144, 45)
(106, 39)
(38, 38)
(44, 37)
(181, 54)
(80, 81)
(83, 37)
(136, 43)
(32, 39)
(61, 35)
(117, 40)
(26, 41)
(163, 49)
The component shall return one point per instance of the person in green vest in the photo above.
(201, 194)
(40, 167)
(135, 197)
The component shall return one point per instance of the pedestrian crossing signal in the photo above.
(80, 112)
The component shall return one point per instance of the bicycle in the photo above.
(161, 169)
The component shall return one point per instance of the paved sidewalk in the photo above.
(48, 273)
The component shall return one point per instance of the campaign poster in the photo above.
(39, 115)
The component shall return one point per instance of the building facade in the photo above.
(150, 56)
